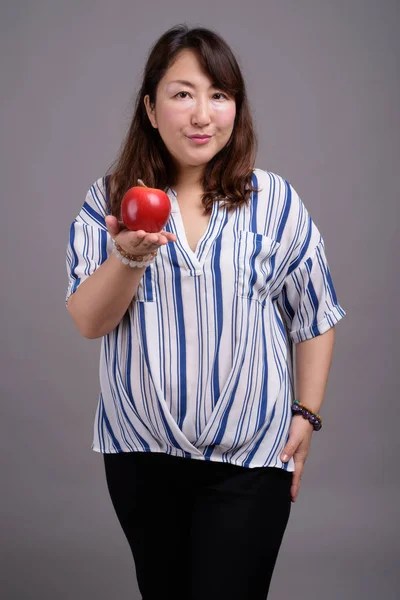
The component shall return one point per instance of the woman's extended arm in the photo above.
(101, 301)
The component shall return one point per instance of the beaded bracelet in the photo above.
(301, 409)
(131, 259)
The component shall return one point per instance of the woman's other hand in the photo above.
(298, 446)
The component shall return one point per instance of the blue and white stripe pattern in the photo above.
(201, 364)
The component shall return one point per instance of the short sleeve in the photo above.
(89, 241)
(308, 300)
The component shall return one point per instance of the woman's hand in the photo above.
(138, 242)
(298, 446)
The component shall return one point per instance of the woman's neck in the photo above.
(188, 189)
(189, 181)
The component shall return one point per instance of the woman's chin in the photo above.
(199, 159)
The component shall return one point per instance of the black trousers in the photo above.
(199, 530)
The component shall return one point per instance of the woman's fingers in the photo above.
(162, 237)
(140, 241)
(296, 478)
(150, 239)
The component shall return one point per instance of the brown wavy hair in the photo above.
(143, 154)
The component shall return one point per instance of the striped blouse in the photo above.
(201, 364)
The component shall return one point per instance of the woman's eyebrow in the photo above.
(189, 83)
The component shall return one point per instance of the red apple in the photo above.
(145, 208)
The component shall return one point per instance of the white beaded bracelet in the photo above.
(129, 261)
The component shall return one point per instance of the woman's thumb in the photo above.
(112, 225)
(288, 451)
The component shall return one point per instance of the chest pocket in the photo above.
(146, 290)
(255, 265)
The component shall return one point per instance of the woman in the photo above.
(195, 419)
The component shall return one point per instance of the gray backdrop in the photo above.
(324, 87)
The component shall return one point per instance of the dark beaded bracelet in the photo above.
(300, 409)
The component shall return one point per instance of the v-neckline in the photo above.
(195, 259)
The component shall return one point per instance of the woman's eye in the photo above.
(184, 94)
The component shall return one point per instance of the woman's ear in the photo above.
(150, 109)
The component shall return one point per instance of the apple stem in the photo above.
(140, 182)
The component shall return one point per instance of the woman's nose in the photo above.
(201, 113)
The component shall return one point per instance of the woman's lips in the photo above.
(200, 141)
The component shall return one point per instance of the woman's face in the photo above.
(187, 104)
